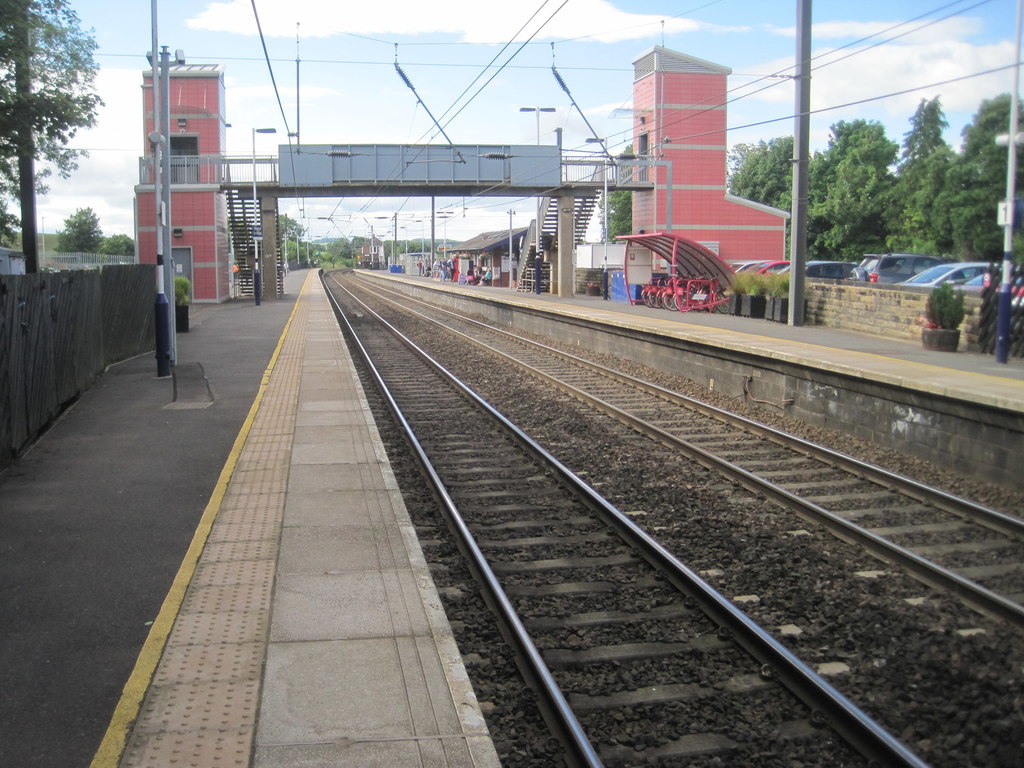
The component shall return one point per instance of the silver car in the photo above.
(957, 273)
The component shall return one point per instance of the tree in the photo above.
(81, 233)
(620, 213)
(977, 182)
(289, 228)
(763, 172)
(920, 223)
(42, 119)
(118, 245)
(851, 191)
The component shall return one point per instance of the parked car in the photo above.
(956, 273)
(829, 270)
(747, 266)
(894, 267)
(767, 267)
(978, 283)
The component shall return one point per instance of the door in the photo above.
(181, 260)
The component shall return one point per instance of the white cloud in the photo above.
(469, 20)
(114, 146)
(915, 31)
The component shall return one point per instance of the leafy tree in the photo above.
(118, 245)
(620, 213)
(289, 228)
(977, 182)
(61, 100)
(852, 188)
(620, 207)
(763, 172)
(82, 233)
(920, 222)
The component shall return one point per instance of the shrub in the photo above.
(945, 307)
(182, 291)
(776, 285)
(743, 283)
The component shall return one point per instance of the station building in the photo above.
(680, 109)
(200, 245)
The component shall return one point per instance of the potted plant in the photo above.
(754, 298)
(777, 288)
(739, 288)
(593, 289)
(943, 314)
(182, 298)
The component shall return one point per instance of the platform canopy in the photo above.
(690, 258)
(489, 241)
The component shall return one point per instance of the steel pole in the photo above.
(1006, 284)
(162, 340)
(257, 235)
(801, 150)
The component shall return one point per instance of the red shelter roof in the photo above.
(686, 258)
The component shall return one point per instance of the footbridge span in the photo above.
(566, 185)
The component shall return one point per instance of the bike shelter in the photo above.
(696, 277)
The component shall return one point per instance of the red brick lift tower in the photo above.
(199, 229)
(679, 122)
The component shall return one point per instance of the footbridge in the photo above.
(566, 184)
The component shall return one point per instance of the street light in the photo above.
(510, 213)
(536, 266)
(257, 234)
(604, 233)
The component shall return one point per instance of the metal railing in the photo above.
(67, 261)
(213, 169)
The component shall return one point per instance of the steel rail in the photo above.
(990, 518)
(926, 571)
(559, 714)
(867, 736)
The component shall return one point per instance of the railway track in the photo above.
(947, 542)
(638, 659)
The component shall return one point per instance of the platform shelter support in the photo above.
(566, 243)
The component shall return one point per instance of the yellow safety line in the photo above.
(115, 739)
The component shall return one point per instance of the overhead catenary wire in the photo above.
(443, 125)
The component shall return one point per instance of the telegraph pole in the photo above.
(801, 150)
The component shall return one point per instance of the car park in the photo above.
(955, 273)
(894, 267)
(748, 266)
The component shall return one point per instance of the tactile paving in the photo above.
(201, 707)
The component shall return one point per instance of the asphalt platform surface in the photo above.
(96, 517)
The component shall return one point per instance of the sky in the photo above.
(474, 64)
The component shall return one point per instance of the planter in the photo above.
(181, 318)
(753, 306)
(593, 290)
(778, 309)
(735, 304)
(940, 339)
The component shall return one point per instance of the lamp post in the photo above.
(1004, 307)
(257, 230)
(536, 281)
(510, 213)
(604, 229)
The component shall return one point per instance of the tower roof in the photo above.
(659, 59)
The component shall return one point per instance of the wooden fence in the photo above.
(58, 332)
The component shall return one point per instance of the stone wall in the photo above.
(879, 309)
